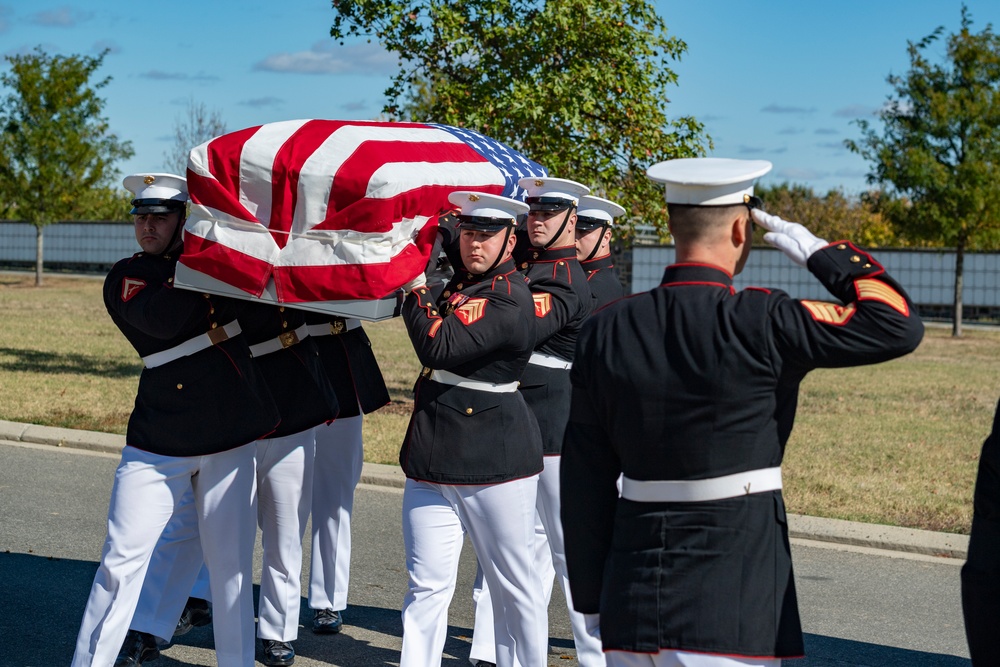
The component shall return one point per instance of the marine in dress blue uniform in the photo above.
(200, 401)
(594, 222)
(562, 301)
(350, 363)
(287, 358)
(472, 451)
(981, 572)
(689, 391)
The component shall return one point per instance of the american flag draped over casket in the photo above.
(330, 215)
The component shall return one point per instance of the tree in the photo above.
(580, 86)
(196, 127)
(55, 146)
(834, 215)
(940, 144)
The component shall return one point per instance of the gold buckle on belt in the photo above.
(288, 338)
(425, 372)
(338, 325)
(217, 335)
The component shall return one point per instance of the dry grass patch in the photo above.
(62, 361)
(897, 443)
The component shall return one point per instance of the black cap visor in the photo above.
(548, 203)
(481, 223)
(143, 206)
(586, 224)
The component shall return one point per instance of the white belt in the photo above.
(549, 361)
(446, 377)
(192, 345)
(337, 326)
(280, 342)
(698, 490)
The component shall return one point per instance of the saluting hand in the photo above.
(790, 238)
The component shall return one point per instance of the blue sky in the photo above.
(771, 79)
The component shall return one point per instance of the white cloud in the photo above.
(160, 75)
(259, 102)
(61, 17)
(328, 57)
(777, 108)
(855, 111)
(801, 174)
(109, 44)
(354, 106)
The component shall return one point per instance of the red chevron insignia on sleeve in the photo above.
(829, 313)
(131, 287)
(471, 311)
(870, 289)
(543, 303)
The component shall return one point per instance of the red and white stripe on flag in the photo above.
(332, 210)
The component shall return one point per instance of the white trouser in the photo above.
(284, 495)
(147, 489)
(670, 658)
(499, 520)
(175, 563)
(283, 482)
(550, 560)
(339, 459)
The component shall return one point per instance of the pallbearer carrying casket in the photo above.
(473, 451)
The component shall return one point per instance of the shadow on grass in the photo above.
(35, 361)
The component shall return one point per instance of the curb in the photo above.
(892, 538)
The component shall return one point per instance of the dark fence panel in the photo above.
(928, 275)
(76, 246)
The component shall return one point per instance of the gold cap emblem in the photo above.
(746, 199)
(148, 180)
(473, 197)
(539, 182)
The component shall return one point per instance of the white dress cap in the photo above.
(554, 188)
(601, 209)
(708, 181)
(483, 205)
(157, 186)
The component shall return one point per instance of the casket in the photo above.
(327, 215)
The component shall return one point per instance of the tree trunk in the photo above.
(38, 255)
(956, 318)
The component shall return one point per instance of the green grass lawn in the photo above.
(896, 443)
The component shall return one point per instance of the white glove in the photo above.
(419, 281)
(790, 238)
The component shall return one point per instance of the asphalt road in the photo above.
(859, 606)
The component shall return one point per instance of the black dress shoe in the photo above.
(327, 622)
(278, 654)
(483, 663)
(137, 649)
(197, 613)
